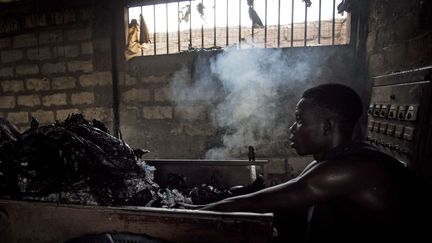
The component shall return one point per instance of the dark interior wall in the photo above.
(399, 36)
(400, 39)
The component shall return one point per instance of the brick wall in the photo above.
(400, 36)
(48, 69)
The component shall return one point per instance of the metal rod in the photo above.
(167, 38)
(292, 23)
(154, 27)
(278, 32)
(202, 30)
(253, 29)
(305, 27)
(190, 23)
(227, 30)
(333, 22)
(214, 22)
(142, 50)
(265, 26)
(319, 23)
(240, 24)
(178, 25)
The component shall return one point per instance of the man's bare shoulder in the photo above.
(346, 172)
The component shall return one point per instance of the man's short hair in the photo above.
(337, 98)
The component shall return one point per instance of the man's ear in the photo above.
(329, 126)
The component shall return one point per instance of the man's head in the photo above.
(325, 116)
(338, 99)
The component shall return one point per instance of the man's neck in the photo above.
(333, 147)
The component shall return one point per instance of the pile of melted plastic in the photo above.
(76, 161)
(79, 162)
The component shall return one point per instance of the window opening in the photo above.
(184, 26)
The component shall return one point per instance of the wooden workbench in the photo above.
(23, 221)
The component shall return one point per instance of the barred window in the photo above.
(169, 27)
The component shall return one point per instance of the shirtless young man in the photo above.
(353, 193)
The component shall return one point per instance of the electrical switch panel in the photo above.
(395, 112)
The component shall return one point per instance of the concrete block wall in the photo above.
(48, 68)
(151, 119)
(399, 36)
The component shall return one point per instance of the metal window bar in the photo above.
(319, 22)
(240, 44)
(190, 23)
(305, 27)
(253, 6)
(154, 28)
(227, 27)
(265, 25)
(278, 30)
(333, 23)
(142, 50)
(254, 35)
(202, 31)
(167, 38)
(292, 23)
(178, 25)
(214, 22)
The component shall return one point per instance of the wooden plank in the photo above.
(22, 221)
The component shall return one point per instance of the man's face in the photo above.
(307, 131)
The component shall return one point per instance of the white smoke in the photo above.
(188, 89)
(244, 87)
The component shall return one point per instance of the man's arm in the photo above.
(319, 183)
